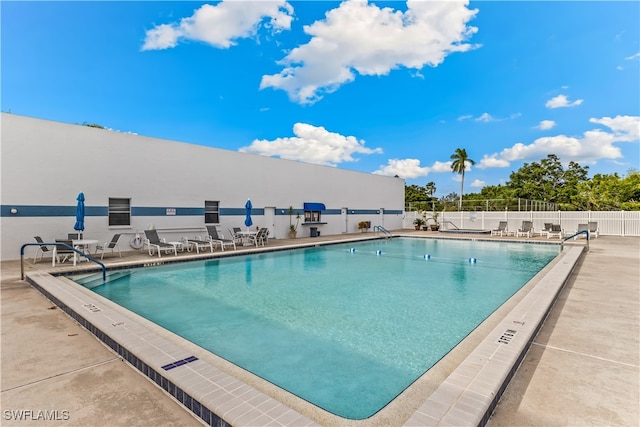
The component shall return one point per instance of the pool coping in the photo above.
(467, 396)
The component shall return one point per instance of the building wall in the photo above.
(46, 164)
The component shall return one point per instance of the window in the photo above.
(312, 211)
(119, 211)
(311, 216)
(211, 212)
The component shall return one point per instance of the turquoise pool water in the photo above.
(345, 327)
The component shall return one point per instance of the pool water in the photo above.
(345, 327)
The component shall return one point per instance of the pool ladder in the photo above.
(387, 234)
(455, 227)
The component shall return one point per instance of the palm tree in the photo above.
(431, 188)
(460, 159)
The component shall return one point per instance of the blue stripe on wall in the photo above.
(40, 211)
(157, 211)
(70, 211)
(239, 211)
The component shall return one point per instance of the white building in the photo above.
(131, 182)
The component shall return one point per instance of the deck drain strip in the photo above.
(179, 363)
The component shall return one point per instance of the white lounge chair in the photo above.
(556, 231)
(217, 238)
(547, 228)
(63, 252)
(526, 229)
(41, 250)
(112, 244)
(198, 243)
(235, 236)
(260, 238)
(501, 230)
(593, 229)
(581, 227)
(153, 241)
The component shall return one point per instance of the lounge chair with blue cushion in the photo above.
(153, 241)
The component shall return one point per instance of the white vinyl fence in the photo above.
(611, 223)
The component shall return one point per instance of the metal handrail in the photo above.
(449, 222)
(386, 232)
(90, 258)
(585, 232)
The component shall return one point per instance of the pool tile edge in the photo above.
(488, 369)
(184, 383)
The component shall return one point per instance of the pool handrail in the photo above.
(90, 258)
(384, 231)
(449, 222)
(576, 234)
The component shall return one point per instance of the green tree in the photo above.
(460, 159)
(610, 192)
(548, 180)
(431, 188)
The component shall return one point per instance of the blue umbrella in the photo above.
(80, 214)
(247, 207)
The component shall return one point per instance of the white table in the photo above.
(245, 236)
(80, 243)
(77, 244)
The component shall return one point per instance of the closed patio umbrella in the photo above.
(79, 226)
(247, 206)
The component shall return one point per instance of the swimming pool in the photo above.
(346, 327)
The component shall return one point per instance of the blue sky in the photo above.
(380, 87)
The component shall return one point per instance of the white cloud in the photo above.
(442, 167)
(632, 57)
(358, 37)
(625, 128)
(562, 101)
(477, 183)
(410, 168)
(312, 144)
(222, 24)
(592, 146)
(485, 117)
(404, 168)
(546, 125)
(492, 161)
